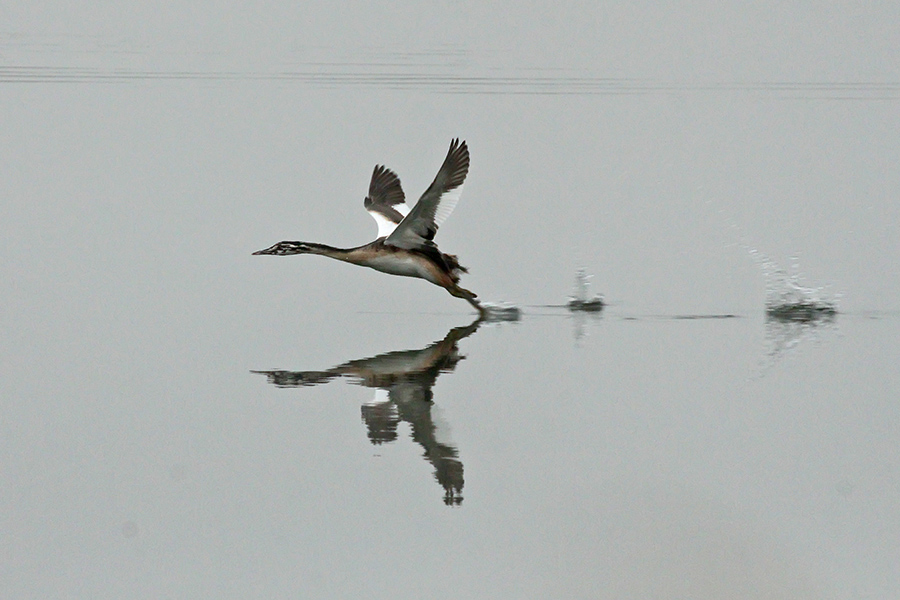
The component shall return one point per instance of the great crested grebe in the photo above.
(405, 244)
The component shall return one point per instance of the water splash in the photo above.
(795, 313)
(581, 299)
(499, 312)
(788, 300)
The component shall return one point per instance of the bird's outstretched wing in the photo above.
(436, 204)
(386, 201)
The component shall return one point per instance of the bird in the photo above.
(405, 243)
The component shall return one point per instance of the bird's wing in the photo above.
(436, 204)
(386, 201)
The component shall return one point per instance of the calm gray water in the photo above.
(184, 420)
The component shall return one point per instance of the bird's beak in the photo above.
(266, 251)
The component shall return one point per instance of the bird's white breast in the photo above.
(405, 266)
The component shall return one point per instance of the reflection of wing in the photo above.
(403, 380)
(436, 204)
(386, 201)
(448, 469)
(381, 419)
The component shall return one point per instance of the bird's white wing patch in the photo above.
(446, 205)
(385, 226)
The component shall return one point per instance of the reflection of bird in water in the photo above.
(405, 244)
(404, 381)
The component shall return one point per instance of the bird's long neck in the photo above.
(289, 248)
(326, 250)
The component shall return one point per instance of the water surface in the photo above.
(183, 419)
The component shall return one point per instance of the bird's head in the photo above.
(288, 248)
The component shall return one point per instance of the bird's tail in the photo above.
(456, 269)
